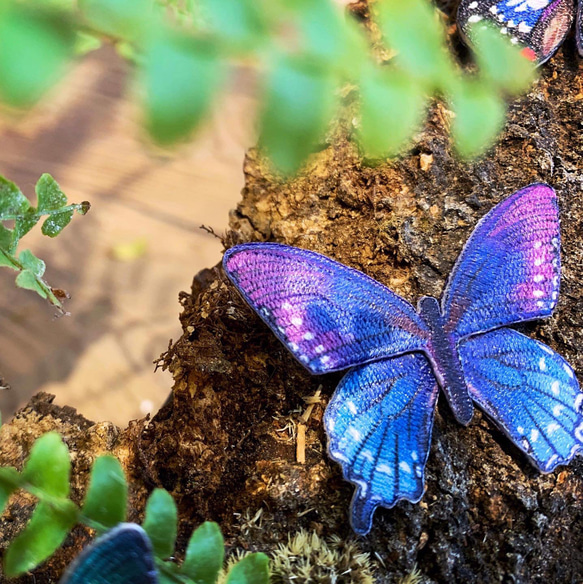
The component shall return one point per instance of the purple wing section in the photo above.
(539, 25)
(529, 391)
(329, 316)
(579, 27)
(509, 269)
(379, 424)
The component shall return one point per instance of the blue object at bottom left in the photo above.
(122, 556)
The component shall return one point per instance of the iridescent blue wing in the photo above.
(122, 556)
(379, 424)
(539, 25)
(329, 316)
(509, 269)
(529, 391)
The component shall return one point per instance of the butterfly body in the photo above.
(380, 418)
(540, 25)
(445, 361)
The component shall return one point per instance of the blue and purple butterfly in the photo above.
(123, 555)
(380, 418)
(538, 25)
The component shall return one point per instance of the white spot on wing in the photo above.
(551, 461)
(578, 401)
(319, 349)
(385, 469)
(568, 370)
(552, 427)
(405, 467)
(355, 434)
(297, 320)
(558, 410)
(537, 245)
(351, 407)
(555, 387)
(414, 456)
(475, 18)
(308, 336)
(579, 432)
(542, 364)
(368, 455)
(538, 293)
(534, 434)
(337, 455)
(539, 278)
(520, 430)
(286, 306)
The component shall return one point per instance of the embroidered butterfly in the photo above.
(540, 25)
(124, 554)
(380, 418)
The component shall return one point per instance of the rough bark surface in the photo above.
(223, 444)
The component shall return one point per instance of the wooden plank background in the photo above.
(88, 136)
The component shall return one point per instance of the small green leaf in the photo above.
(54, 224)
(5, 237)
(392, 109)
(252, 569)
(106, 499)
(24, 224)
(49, 194)
(29, 281)
(48, 467)
(12, 201)
(412, 29)
(86, 43)
(205, 554)
(181, 76)
(160, 522)
(50, 198)
(6, 261)
(35, 47)
(479, 118)
(31, 263)
(125, 19)
(9, 482)
(299, 104)
(501, 62)
(237, 21)
(45, 532)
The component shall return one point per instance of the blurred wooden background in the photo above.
(123, 313)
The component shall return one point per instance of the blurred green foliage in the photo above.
(16, 210)
(304, 50)
(46, 476)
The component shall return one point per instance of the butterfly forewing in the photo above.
(529, 391)
(379, 425)
(121, 556)
(539, 25)
(329, 316)
(509, 270)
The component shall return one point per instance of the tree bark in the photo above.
(224, 443)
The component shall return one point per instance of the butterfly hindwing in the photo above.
(122, 556)
(379, 424)
(329, 316)
(529, 391)
(539, 25)
(509, 270)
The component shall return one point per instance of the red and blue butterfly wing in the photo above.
(529, 391)
(509, 270)
(124, 554)
(379, 424)
(329, 316)
(539, 25)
